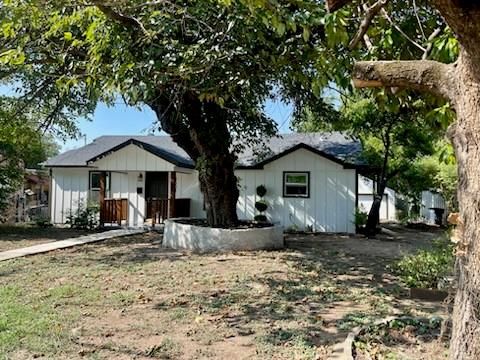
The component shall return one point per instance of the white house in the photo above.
(366, 190)
(430, 203)
(311, 180)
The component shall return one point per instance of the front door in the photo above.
(156, 194)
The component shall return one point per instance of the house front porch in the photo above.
(136, 199)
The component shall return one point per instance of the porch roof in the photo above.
(335, 146)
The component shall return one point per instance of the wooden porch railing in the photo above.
(159, 209)
(114, 211)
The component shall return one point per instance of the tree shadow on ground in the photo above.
(317, 282)
(320, 278)
(21, 233)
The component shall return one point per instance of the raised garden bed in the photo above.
(397, 338)
(194, 234)
(241, 224)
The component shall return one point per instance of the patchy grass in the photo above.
(403, 339)
(127, 298)
(18, 236)
(30, 323)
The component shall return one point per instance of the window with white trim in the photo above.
(94, 191)
(296, 184)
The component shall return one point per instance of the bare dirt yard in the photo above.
(16, 237)
(130, 299)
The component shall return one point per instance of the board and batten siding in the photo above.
(330, 207)
(132, 158)
(69, 189)
(188, 187)
(431, 200)
(388, 211)
(123, 185)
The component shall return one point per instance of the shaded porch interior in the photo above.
(160, 203)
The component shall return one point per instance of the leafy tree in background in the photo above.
(435, 172)
(204, 67)
(22, 145)
(391, 141)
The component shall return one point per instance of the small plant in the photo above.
(427, 268)
(85, 218)
(292, 229)
(42, 221)
(361, 217)
(261, 205)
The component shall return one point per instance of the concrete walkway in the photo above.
(62, 244)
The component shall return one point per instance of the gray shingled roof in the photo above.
(336, 146)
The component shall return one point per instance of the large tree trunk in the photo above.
(208, 142)
(465, 342)
(374, 213)
(218, 184)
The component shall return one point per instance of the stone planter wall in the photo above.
(199, 238)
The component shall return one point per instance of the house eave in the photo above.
(52, 166)
(261, 165)
(147, 147)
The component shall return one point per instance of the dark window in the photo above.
(296, 184)
(94, 193)
(95, 180)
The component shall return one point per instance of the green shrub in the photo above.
(86, 217)
(261, 190)
(261, 205)
(42, 221)
(361, 217)
(427, 267)
(260, 218)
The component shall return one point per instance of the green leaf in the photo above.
(306, 34)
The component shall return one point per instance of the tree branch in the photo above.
(415, 9)
(389, 19)
(429, 47)
(127, 21)
(334, 5)
(422, 75)
(370, 14)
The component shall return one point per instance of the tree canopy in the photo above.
(231, 53)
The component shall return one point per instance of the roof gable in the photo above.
(261, 164)
(334, 146)
(161, 153)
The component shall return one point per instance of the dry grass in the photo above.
(15, 237)
(127, 298)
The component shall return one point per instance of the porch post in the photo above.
(172, 191)
(102, 198)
